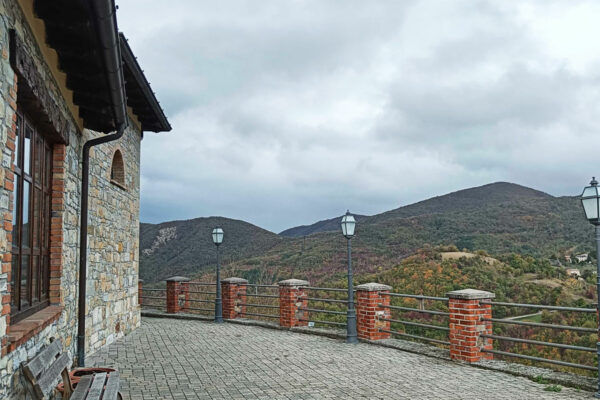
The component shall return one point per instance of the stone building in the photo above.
(66, 77)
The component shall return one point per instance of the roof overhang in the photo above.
(103, 77)
(140, 96)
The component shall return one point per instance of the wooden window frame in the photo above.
(39, 182)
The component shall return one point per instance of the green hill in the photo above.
(186, 247)
(499, 218)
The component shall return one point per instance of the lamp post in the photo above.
(590, 200)
(348, 225)
(217, 237)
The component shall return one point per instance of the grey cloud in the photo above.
(286, 112)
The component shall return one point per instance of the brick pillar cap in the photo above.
(178, 279)
(470, 294)
(293, 282)
(140, 281)
(373, 287)
(234, 280)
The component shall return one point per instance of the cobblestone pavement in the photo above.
(182, 359)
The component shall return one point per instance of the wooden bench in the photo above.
(50, 364)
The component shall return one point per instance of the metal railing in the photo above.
(419, 323)
(155, 300)
(200, 298)
(263, 305)
(507, 342)
(330, 305)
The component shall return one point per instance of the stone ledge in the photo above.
(470, 294)
(234, 280)
(373, 287)
(25, 329)
(178, 279)
(293, 282)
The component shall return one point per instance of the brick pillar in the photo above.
(233, 297)
(140, 286)
(369, 296)
(174, 290)
(467, 309)
(293, 297)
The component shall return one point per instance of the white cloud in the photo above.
(286, 112)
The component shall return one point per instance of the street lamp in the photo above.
(348, 225)
(590, 200)
(217, 237)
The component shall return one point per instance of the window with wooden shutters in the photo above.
(30, 275)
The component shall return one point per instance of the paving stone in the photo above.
(180, 359)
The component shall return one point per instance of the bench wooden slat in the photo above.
(49, 377)
(35, 367)
(82, 387)
(112, 386)
(97, 386)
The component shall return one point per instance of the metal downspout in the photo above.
(106, 27)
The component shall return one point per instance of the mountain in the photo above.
(186, 247)
(327, 225)
(499, 218)
(498, 192)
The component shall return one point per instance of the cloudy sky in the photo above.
(285, 112)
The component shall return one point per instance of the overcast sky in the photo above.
(287, 112)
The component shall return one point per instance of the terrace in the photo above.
(286, 341)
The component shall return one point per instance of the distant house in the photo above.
(573, 273)
(568, 258)
(582, 257)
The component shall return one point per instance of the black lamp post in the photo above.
(348, 225)
(590, 200)
(217, 237)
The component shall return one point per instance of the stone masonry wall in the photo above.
(112, 308)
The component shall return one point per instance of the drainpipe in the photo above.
(105, 22)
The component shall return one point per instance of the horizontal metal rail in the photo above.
(416, 337)
(274, 296)
(212, 310)
(540, 325)
(400, 321)
(258, 305)
(324, 322)
(546, 360)
(327, 300)
(200, 301)
(199, 291)
(415, 310)
(153, 298)
(317, 310)
(327, 289)
(265, 286)
(153, 290)
(415, 296)
(260, 315)
(539, 343)
(200, 283)
(539, 306)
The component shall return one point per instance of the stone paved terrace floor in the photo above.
(183, 359)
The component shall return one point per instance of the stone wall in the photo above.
(112, 308)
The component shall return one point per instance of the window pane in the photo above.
(24, 281)
(45, 267)
(27, 149)
(16, 206)
(37, 161)
(25, 242)
(13, 281)
(35, 268)
(17, 132)
(37, 204)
